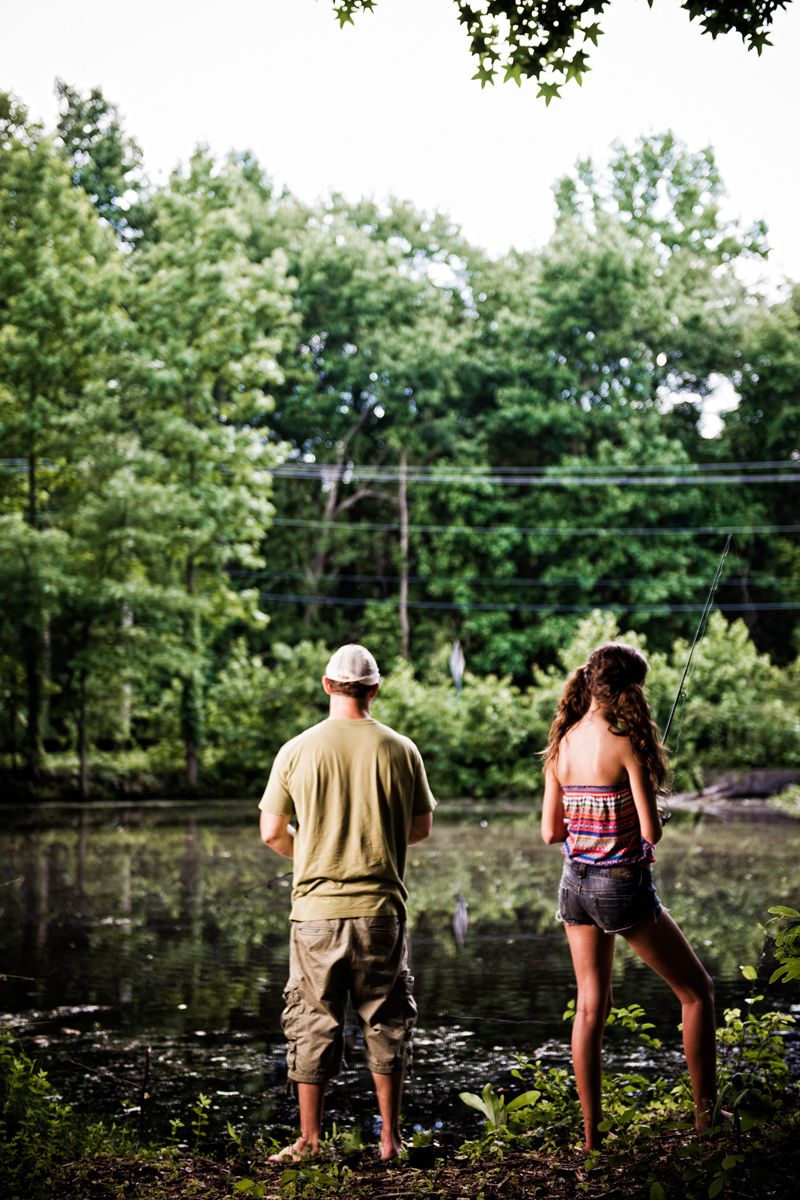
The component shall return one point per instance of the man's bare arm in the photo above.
(421, 826)
(277, 833)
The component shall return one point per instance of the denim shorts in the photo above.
(612, 898)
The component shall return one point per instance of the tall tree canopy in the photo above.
(257, 427)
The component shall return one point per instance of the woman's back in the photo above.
(591, 755)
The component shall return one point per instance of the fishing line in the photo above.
(682, 693)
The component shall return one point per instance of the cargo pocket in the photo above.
(291, 1021)
(409, 1019)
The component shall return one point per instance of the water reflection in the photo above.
(121, 928)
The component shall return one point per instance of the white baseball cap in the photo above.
(353, 664)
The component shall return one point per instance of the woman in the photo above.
(604, 765)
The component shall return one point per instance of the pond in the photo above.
(123, 927)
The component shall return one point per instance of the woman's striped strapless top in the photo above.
(603, 827)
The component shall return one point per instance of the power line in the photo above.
(549, 530)
(297, 469)
(556, 581)
(469, 606)
(617, 475)
(297, 465)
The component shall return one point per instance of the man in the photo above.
(359, 797)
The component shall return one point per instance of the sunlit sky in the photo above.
(388, 106)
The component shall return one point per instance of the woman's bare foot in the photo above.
(390, 1148)
(703, 1116)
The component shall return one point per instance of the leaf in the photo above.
(550, 91)
(244, 1185)
(748, 971)
(781, 910)
(749, 1120)
(657, 1191)
(717, 1184)
(473, 1101)
(526, 1100)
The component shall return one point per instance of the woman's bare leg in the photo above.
(592, 959)
(663, 947)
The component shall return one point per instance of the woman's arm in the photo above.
(554, 825)
(643, 796)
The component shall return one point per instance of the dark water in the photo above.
(165, 926)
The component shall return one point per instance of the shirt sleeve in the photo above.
(423, 801)
(277, 797)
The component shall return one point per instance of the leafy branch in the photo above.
(548, 40)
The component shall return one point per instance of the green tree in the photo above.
(210, 325)
(59, 324)
(105, 161)
(378, 349)
(765, 427)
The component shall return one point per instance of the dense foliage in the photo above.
(237, 431)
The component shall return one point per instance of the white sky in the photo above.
(388, 106)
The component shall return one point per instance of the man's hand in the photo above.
(421, 826)
(277, 833)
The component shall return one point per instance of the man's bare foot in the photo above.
(296, 1152)
(592, 1139)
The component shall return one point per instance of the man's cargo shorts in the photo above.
(365, 957)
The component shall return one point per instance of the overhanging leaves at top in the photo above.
(550, 40)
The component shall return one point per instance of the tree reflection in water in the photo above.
(166, 926)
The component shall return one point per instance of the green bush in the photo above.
(477, 744)
(253, 708)
(37, 1130)
(740, 712)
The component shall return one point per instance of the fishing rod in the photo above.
(681, 695)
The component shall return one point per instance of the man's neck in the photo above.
(347, 708)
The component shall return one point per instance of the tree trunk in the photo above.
(190, 715)
(46, 675)
(32, 654)
(402, 500)
(316, 567)
(322, 549)
(126, 696)
(83, 765)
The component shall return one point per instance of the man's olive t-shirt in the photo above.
(353, 787)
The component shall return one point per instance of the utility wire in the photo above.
(470, 606)
(550, 530)
(313, 469)
(493, 581)
(330, 474)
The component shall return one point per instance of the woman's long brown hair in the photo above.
(613, 674)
